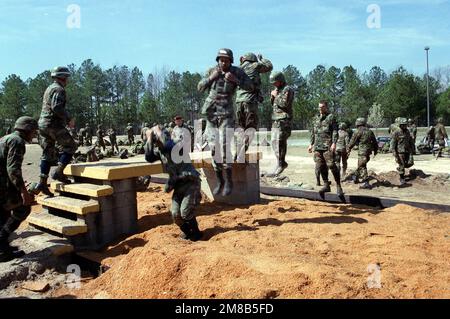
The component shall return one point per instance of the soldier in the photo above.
(81, 134)
(180, 130)
(100, 135)
(402, 147)
(184, 180)
(143, 132)
(15, 200)
(248, 100)
(88, 132)
(130, 133)
(341, 148)
(431, 138)
(281, 98)
(441, 136)
(394, 127)
(221, 82)
(324, 137)
(113, 139)
(53, 132)
(367, 142)
(413, 130)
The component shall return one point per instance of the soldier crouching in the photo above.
(184, 180)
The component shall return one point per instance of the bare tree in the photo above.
(376, 116)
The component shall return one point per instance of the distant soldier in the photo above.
(113, 139)
(221, 82)
(180, 130)
(143, 132)
(81, 135)
(58, 146)
(100, 134)
(441, 136)
(402, 146)
(367, 142)
(413, 130)
(88, 134)
(282, 99)
(15, 200)
(130, 133)
(392, 129)
(184, 180)
(324, 137)
(341, 148)
(431, 137)
(247, 100)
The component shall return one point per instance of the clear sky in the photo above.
(186, 34)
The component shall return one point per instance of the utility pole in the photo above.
(428, 88)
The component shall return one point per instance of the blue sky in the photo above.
(185, 35)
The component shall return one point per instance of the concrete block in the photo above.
(72, 205)
(63, 226)
(86, 189)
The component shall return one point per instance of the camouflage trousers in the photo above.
(101, 142)
(247, 115)
(186, 197)
(281, 130)
(441, 147)
(11, 206)
(342, 157)
(130, 139)
(326, 160)
(220, 133)
(54, 141)
(361, 171)
(114, 144)
(404, 160)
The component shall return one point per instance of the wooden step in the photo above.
(63, 226)
(31, 240)
(86, 189)
(73, 205)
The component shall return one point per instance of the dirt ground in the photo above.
(282, 248)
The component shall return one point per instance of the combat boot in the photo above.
(42, 187)
(220, 182)
(59, 176)
(228, 185)
(326, 188)
(186, 230)
(339, 191)
(195, 234)
(402, 180)
(366, 185)
(318, 177)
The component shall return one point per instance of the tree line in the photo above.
(120, 95)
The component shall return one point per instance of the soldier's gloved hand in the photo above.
(230, 77)
(215, 75)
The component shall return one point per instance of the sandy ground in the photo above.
(285, 248)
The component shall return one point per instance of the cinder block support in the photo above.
(246, 189)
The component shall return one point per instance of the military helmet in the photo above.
(146, 124)
(360, 121)
(410, 121)
(250, 57)
(397, 120)
(26, 123)
(277, 77)
(403, 121)
(343, 126)
(440, 120)
(129, 124)
(226, 53)
(60, 72)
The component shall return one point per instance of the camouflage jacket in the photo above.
(253, 70)
(324, 132)
(143, 133)
(282, 104)
(413, 130)
(12, 151)
(440, 132)
(220, 98)
(343, 140)
(402, 142)
(112, 135)
(130, 130)
(178, 172)
(393, 128)
(431, 133)
(54, 113)
(367, 141)
(100, 133)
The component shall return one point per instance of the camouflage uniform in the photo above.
(367, 142)
(130, 133)
(441, 136)
(323, 135)
(413, 130)
(184, 180)
(341, 148)
(113, 139)
(402, 146)
(218, 110)
(88, 135)
(81, 135)
(143, 132)
(247, 100)
(431, 136)
(100, 135)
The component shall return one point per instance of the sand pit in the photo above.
(280, 249)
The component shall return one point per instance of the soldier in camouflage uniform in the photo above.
(221, 82)
(81, 135)
(247, 100)
(100, 135)
(324, 137)
(341, 148)
(130, 133)
(184, 180)
(180, 130)
(144, 132)
(15, 200)
(88, 134)
(365, 138)
(402, 147)
(441, 136)
(281, 98)
(57, 144)
(113, 139)
(431, 136)
(413, 130)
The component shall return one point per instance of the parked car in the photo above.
(382, 140)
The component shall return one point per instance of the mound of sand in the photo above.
(280, 249)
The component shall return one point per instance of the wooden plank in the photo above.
(73, 205)
(87, 189)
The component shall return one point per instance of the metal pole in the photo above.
(428, 88)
